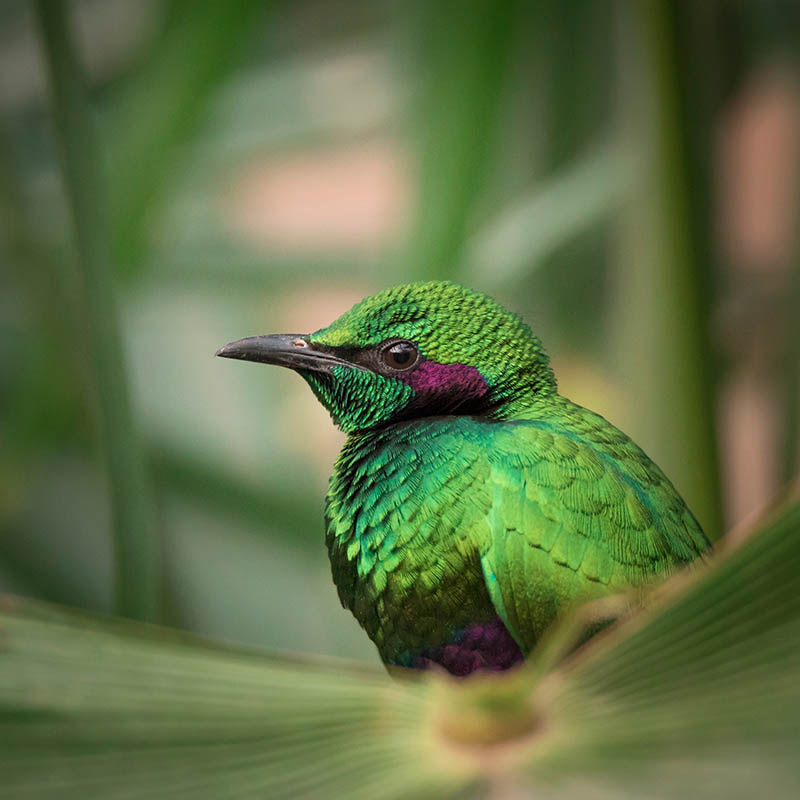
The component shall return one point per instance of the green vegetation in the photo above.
(698, 697)
(174, 175)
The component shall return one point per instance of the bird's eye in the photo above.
(400, 355)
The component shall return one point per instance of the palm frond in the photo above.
(697, 696)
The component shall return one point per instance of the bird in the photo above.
(471, 504)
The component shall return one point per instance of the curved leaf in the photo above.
(698, 696)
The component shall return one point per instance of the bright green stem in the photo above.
(137, 545)
(465, 49)
(661, 314)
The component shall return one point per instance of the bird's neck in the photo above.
(521, 404)
(469, 396)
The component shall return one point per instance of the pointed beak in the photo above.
(290, 350)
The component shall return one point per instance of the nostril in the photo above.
(299, 342)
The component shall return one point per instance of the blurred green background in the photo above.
(175, 175)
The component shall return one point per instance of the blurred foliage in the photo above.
(696, 697)
(174, 175)
(97, 327)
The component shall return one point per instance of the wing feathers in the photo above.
(575, 516)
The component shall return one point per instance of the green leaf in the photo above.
(110, 709)
(566, 204)
(463, 58)
(682, 703)
(164, 105)
(697, 696)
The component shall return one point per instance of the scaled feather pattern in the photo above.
(472, 503)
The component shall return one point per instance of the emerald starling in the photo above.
(471, 502)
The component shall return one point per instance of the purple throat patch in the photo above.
(432, 379)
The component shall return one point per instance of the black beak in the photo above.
(291, 350)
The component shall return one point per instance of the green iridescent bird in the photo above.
(471, 502)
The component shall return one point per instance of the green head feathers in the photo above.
(417, 350)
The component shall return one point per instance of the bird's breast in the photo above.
(403, 549)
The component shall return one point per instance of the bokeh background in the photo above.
(175, 175)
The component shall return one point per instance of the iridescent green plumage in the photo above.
(472, 503)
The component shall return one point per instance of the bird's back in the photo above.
(451, 534)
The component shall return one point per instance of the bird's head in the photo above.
(423, 349)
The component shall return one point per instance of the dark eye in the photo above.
(399, 355)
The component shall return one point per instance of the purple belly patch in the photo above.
(485, 646)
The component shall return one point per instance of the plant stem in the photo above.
(136, 539)
(464, 62)
(661, 314)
